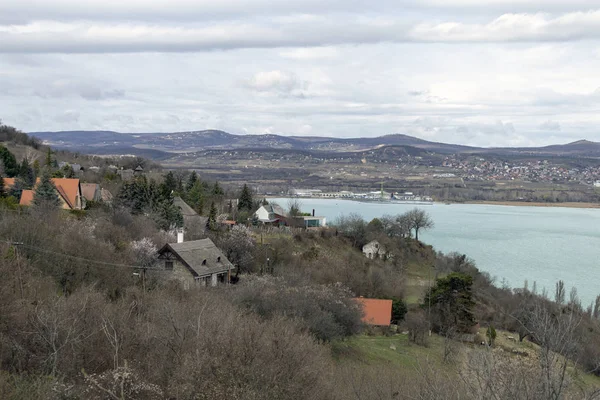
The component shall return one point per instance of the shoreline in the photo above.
(571, 204)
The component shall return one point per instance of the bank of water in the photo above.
(537, 244)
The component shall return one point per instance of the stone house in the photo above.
(196, 263)
(374, 249)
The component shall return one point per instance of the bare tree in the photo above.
(559, 296)
(419, 219)
(294, 207)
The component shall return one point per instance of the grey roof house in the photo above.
(198, 262)
(190, 216)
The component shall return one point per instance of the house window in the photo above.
(169, 265)
(204, 262)
(218, 259)
(206, 280)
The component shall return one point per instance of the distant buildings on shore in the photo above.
(375, 195)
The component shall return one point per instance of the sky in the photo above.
(475, 72)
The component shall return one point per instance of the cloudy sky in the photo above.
(478, 72)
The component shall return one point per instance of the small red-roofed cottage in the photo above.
(376, 312)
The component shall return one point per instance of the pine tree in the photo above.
(191, 181)
(26, 174)
(16, 189)
(11, 168)
(48, 162)
(45, 196)
(195, 197)
(211, 224)
(169, 185)
(245, 201)
(36, 168)
(217, 189)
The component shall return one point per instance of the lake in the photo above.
(541, 244)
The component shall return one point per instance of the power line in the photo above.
(103, 263)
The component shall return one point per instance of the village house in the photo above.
(69, 193)
(270, 214)
(374, 249)
(377, 312)
(196, 263)
(91, 192)
(190, 217)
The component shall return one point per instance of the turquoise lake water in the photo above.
(541, 244)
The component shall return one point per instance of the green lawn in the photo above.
(395, 351)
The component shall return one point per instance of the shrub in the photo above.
(329, 312)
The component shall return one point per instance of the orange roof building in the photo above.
(376, 311)
(69, 191)
(26, 197)
(8, 182)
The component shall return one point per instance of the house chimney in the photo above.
(180, 235)
(313, 212)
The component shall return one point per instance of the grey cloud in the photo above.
(22, 11)
(67, 117)
(85, 37)
(88, 91)
(550, 126)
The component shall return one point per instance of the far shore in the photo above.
(568, 204)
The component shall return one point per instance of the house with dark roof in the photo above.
(196, 263)
(190, 216)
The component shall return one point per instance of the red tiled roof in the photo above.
(376, 311)
(88, 190)
(8, 182)
(26, 197)
(68, 189)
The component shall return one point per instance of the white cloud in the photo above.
(275, 82)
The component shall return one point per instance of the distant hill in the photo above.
(156, 145)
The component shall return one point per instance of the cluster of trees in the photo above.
(143, 196)
(400, 226)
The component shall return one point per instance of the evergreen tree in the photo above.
(48, 162)
(36, 168)
(245, 201)
(211, 224)
(169, 184)
(451, 303)
(193, 178)
(11, 168)
(68, 171)
(26, 174)
(195, 197)
(45, 196)
(16, 189)
(217, 189)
